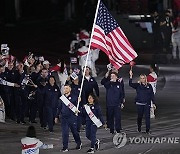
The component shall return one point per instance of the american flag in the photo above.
(109, 37)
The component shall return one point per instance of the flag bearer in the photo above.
(73, 80)
(68, 110)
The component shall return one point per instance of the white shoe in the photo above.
(97, 144)
(64, 150)
(90, 150)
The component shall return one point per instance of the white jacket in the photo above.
(31, 145)
(152, 79)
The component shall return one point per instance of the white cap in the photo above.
(41, 58)
(46, 62)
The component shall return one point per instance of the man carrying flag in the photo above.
(68, 118)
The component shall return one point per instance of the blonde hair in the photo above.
(143, 75)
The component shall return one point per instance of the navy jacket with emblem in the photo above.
(63, 109)
(89, 86)
(40, 80)
(144, 93)
(51, 95)
(10, 77)
(95, 108)
(75, 89)
(114, 91)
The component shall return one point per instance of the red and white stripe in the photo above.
(82, 51)
(152, 79)
(115, 44)
(83, 34)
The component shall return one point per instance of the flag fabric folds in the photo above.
(108, 37)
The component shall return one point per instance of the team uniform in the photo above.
(91, 127)
(143, 100)
(10, 77)
(3, 94)
(114, 98)
(51, 98)
(75, 89)
(152, 79)
(5, 87)
(166, 31)
(32, 98)
(21, 94)
(89, 85)
(40, 99)
(68, 121)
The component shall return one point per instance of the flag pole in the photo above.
(88, 52)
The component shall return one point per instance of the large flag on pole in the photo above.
(108, 36)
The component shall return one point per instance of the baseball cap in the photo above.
(46, 62)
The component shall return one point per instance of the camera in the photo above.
(25, 81)
(4, 49)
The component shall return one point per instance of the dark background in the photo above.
(45, 27)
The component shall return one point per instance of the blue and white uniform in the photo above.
(143, 100)
(114, 98)
(68, 121)
(51, 98)
(91, 128)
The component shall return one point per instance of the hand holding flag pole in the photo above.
(132, 63)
